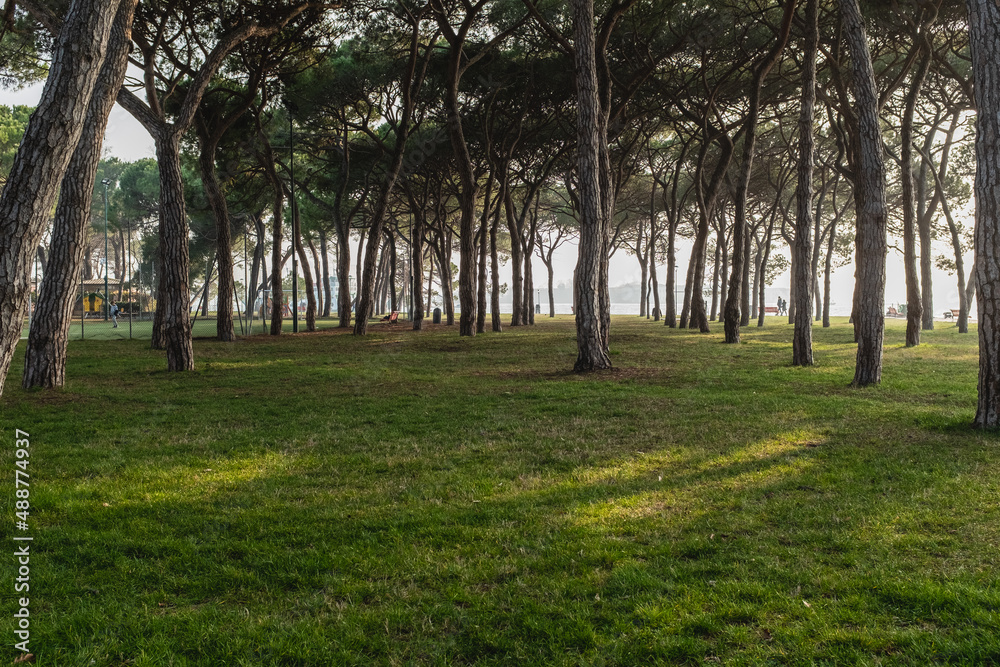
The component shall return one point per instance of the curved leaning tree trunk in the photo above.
(225, 331)
(409, 84)
(984, 26)
(591, 352)
(707, 199)
(914, 298)
(45, 358)
(870, 205)
(45, 152)
(734, 309)
(802, 352)
(172, 325)
(307, 275)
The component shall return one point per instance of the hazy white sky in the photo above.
(128, 140)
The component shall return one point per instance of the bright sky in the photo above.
(129, 141)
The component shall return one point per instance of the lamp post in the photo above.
(107, 310)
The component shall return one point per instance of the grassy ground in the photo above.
(99, 329)
(420, 499)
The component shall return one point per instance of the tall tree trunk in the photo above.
(763, 272)
(409, 85)
(802, 353)
(447, 280)
(206, 289)
(827, 274)
(277, 291)
(914, 299)
(366, 293)
(259, 255)
(324, 253)
(529, 270)
(430, 280)
(641, 256)
(924, 225)
(495, 317)
(550, 270)
(670, 295)
(870, 204)
(723, 268)
(45, 358)
(654, 236)
(175, 292)
(590, 337)
(417, 269)
(956, 243)
(484, 230)
(707, 197)
(481, 281)
(224, 328)
(46, 149)
(467, 197)
(688, 289)
(716, 270)
(737, 285)
(516, 258)
(393, 300)
(344, 299)
(984, 25)
(307, 274)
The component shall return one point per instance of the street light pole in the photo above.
(107, 310)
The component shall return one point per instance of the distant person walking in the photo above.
(114, 314)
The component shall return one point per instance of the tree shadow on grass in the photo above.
(771, 550)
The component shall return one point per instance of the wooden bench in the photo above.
(770, 310)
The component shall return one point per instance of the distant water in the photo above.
(633, 309)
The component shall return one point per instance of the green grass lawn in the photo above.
(99, 329)
(420, 499)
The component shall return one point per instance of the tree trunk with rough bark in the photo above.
(45, 357)
(484, 230)
(495, 317)
(707, 196)
(984, 26)
(277, 291)
(802, 352)
(716, 270)
(763, 271)
(344, 299)
(224, 329)
(914, 298)
(468, 193)
(870, 204)
(49, 142)
(516, 258)
(417, 269)
(591, 351)
(827, 274)
(733, 315)
(324, 253)
(670, 295)
(306, 271)
(175, 320)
